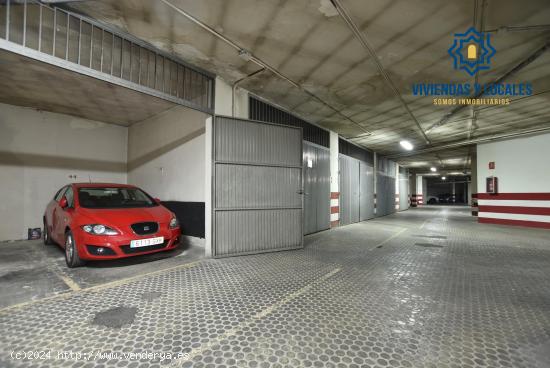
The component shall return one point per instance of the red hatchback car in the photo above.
(107, 221)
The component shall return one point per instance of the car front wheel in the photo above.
(71, 252)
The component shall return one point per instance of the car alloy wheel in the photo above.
(71, 253)
(69, 250)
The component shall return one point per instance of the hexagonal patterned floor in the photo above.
(423, 288)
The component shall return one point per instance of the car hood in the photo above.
(123, 217)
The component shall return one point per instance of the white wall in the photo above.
(522, 165)
(224, 100)
(40, 150)
(166, 155)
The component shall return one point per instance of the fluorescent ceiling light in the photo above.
(433, 169)
(443, 178)
(406, 145)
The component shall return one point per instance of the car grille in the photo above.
(127, 250)
(145, 228)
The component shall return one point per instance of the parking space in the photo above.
(31, 270)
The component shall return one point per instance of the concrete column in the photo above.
(397, 177)
(417, 196)
(208, 189)
(375, 176)
(474, 185)
(334, 181)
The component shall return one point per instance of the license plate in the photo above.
(146, 242)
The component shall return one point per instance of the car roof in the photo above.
(102, 185)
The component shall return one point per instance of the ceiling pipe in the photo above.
(468, 142)
(234, 88)
(247, 55)
(536, 54)
(365, 43)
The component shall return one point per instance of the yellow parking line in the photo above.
(390, 238)
(106, 285)
(68, 281)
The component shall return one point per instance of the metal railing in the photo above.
(89, 44)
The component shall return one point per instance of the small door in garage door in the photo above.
(349, 190)
(316, 188)
(257, 199)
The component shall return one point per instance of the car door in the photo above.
(52, 211)
(62, 216)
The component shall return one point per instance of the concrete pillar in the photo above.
(334, 181)
(417, 190)
(474, 185)
(208, 188)
(375, 176)
(397, 177)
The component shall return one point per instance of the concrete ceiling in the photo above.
(309, 42)
(67, 92)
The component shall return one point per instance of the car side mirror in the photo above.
(63, 203)
(157, 200)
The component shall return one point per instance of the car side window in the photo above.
(60, 193)
(70, 197)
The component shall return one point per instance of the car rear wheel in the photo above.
(46, 234)
(71, 252)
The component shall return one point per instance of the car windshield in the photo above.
(114, 198)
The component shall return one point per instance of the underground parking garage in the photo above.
(255, 183)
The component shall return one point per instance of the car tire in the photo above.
(46, 235)
(71, 252)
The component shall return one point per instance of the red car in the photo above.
(107, 221)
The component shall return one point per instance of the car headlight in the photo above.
(98, 229)
(174, 223)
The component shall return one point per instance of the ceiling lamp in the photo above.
(433, 169)
(406, 145)
(443, 178)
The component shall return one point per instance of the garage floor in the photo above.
(424, 288)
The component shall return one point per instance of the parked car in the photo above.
(98, 221)
(432, 200)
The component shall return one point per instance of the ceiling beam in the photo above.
(383, 72)
(528, 60)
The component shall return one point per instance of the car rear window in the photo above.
(114, 198)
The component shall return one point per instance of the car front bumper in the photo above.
(118, 246)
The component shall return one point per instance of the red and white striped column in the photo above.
(334, 209)
(416, 200)
(521, 209)
(475, 208)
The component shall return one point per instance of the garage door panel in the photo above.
(257, 143)
(256, 231)
(316, 162)
(349, 190)
(257, 194)
(243, 186)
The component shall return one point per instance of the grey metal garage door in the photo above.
(349, 190)
(257, 187)
(316, 187)
(366, 191)
(385, 187)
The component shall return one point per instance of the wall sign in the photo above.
(492, 165)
